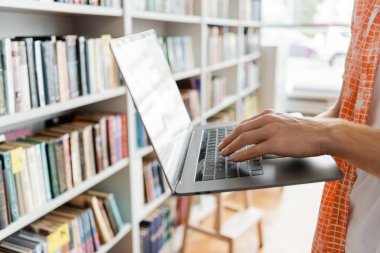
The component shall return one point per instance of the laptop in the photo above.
(188, 154)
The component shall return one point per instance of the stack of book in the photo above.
(158, 228)
(190, 92)
(181, 7)
(142, 136)
(216, 91)
(153, 181)
(89, 221)
(38, 71)
(250, 106)
(222, 44)
(37, 168)
(251, 75)
(251, 40)
(218, 8)
(227, 115)
(252, 10)
(178, 51)
(103, 3)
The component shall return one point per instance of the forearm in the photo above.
(357, 144)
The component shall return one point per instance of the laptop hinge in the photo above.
(181, 163)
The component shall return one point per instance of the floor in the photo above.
(288, 226)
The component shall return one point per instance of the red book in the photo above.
(124, 135)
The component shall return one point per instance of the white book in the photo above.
(8, 74)
(63, 74)
(35, 175)
(189, 52)
(90, 65)
(39, 73)
(100, 82)
(16, 76)
(24, 77)
(26, 186)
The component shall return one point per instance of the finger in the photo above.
(244, 139)
(244, 127)
(252, 152)
(267, 111)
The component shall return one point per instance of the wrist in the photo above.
(334, 135)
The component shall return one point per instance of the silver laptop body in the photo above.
(183, 150)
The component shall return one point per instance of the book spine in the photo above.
(20, 192)
(115, 210)
(88, 146)
(90, 66)
(24, 77)
(118, 137)
(53, 170)
(124, 132)
(61, 168)
(32, 72)
(40, 173)
(111, 217)
(103, 131)
(94, 232)
(75, 158)
(44, 154)
(63, 78)
(28, 197)
(3, 106)
(34, 177)
(111, 139)
(3, 201)
(73, 65)
(48, 71)
(16, 76)
(98, 147)
(39, 73)
(6, 55)
(82, 65)
(89, 241)
(67, 158)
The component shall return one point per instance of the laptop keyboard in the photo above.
(212, 165)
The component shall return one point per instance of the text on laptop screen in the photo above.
(155, 95)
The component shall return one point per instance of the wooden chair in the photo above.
(227, 231)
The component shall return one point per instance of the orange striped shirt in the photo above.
(360, 71)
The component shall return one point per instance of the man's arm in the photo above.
(285, 135)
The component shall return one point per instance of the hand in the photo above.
(278, 134)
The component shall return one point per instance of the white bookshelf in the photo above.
(46, 208)
(43, 7)
(124, 179)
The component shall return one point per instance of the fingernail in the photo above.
(223, 152)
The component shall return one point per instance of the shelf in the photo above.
(159, 16)
(249, 23)
(63, 8)
(122, 233)
(150, 207)
(187, 74)
(222, 65)
(145, 151)
(220, 107)
(49, 110)
(250, 57)
(245, 92)
(222, 21)
(61, 199)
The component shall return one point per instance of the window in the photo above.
(315, 36)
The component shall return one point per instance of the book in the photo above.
(105, 232)
(178, 52)
(62, 69)
(75, 155)
(64, 137)
(6, 57)
(51, 72)
(182, 7)
(153, 180)
(3, 106)
(73, 64)
(16, 75)
(39, 72)
(221, 44)
(3, 201)
(81, 49)
(34, 97)
(12, 201)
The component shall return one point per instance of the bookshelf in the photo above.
(125, 178)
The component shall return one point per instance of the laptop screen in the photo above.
(155, 94)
